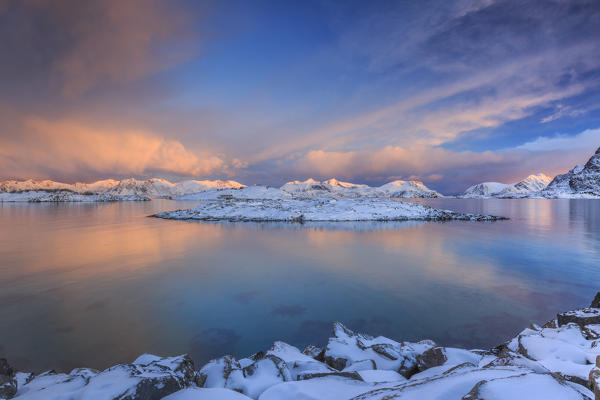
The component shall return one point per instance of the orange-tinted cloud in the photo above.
(68, 147)
(448, 167)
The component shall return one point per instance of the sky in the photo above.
(451, 93)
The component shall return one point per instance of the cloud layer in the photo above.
(450, 92)
(67, 148)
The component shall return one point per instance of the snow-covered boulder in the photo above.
(406, 189)
(566, 350)
(322, 388)
(147, 378)
(527, 386)
(263, 371)
(206, 394)
(300, 365)
(464, 383)
(346, 348)
(582, 317)
(581, 181)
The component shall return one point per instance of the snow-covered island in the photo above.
(260, 204)
(557, 361)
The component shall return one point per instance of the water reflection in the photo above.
(99, 284)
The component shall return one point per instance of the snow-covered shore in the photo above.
(559, 360)
(276, 206)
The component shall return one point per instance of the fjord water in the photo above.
(98, 284)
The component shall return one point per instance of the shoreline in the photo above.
(560, 358)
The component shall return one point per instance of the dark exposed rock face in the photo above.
(582, 317)
(351, 375)
(596, 301)
(594, 379)
(580, 180)
(8, 383)
(431, 358)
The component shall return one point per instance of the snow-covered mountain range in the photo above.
(524, 188)
(581, 181)
(335, 188)
(106, 190)
(134, 189)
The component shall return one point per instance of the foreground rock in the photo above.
(254, 204)
(147, 378)
(8, 382)
(560, 360)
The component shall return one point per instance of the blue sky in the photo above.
(448, 92)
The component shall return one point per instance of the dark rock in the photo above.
(550, 324)
(433, 357)
(8, 383)
(315, 352)
(582, 317)
(594, 379)
(460, 366)
(338, 363)
(596, 301)
(352, 375)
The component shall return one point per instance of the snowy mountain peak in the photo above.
(406, 189)
(336, 188)
(582, 181)
(335, 182)
(156, 187)
(532, 184)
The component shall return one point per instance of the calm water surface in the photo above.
(94, 285)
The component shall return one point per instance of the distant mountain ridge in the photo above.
(154, 187)
(530, 185)
(583, 181)
(334, 187)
